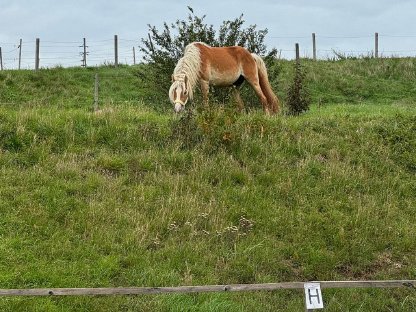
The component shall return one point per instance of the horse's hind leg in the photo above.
(254, 82)
(251, 75)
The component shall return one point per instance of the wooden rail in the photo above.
(201, 289)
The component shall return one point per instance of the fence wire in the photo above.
(102, 52)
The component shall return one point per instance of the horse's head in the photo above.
(179, 91)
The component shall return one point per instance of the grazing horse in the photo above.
(220, 66)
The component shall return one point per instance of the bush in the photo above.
(298, 98)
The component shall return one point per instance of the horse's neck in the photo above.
(189, 64)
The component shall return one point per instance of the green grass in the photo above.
(375, 81)
(135, 196)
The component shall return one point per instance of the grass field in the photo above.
(135, 196)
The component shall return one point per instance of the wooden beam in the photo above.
(201, 289)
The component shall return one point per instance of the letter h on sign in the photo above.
(313, 296)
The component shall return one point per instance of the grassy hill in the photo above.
(135, 196)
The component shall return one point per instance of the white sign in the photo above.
(313, 296)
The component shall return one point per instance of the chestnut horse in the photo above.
(220, 66)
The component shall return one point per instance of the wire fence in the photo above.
(330, 46)
(22, 54)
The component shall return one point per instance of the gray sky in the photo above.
(346, 26)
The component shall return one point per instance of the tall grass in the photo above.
(136, 197)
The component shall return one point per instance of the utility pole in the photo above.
(84, 53)
(1, 60)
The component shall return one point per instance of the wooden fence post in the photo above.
(20, 53)
(297, 52)
(1, 60)
(96, 93)
(314, 46)
(37, 54)
(376, 45)
(115, 50)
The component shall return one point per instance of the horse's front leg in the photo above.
(238, 99)
(204, 90)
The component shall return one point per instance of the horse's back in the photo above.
(223, 65)
(231, 52)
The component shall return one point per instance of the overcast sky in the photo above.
(346, 26)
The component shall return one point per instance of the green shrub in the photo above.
(298, 98)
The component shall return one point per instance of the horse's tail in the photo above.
(265, 86)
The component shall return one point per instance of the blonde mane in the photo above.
(189, 66)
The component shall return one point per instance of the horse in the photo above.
(220, 66)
